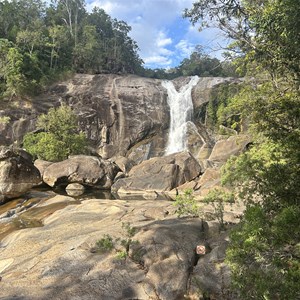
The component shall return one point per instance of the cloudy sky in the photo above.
(163, 36)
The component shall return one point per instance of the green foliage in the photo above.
(60, 37)
(263, 253)
(105, 244)
(219, 111)
(59, 138)
(217, 198)
(130, 231)
(121, 246)
(122, 254)
(127, 242)
(4, 120)
(186, 204)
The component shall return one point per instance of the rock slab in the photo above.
(56, 261)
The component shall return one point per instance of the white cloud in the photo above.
(157, 27)
(185, 48)
(162, 40)
(159, 60)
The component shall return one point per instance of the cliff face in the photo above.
(121, 115)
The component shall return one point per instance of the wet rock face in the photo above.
(121, 115)
(17, 173)
(116, 112)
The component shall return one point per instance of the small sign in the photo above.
(200, 250)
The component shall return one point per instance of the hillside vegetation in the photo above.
(264, 253)
(42, 43)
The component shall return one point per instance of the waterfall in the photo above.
(181, 111)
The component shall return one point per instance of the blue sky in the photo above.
(163, 36)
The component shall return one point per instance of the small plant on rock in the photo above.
(186, 204)
(105, 244)
(127, 241)
(217, 198)
(121, 246)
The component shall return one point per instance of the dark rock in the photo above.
(17, 173)
(120, 115)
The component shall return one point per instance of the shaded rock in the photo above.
(87, 170)
(125, 164)
(75, 189)
(211, 276)
(167, 248)
(17, 173)
(119, 175)
(159, 174)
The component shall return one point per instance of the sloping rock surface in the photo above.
(57, 261)
(159, 174)
(17, 173)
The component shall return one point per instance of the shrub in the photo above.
(217, 198)
(59, 138)
(105, 244)
(186, 204)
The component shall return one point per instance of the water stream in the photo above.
(181, 112)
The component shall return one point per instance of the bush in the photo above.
(59, 138)
(121, 246)
(105, 244)
(186, 204)
(217, 198)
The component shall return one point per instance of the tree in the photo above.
(200, 64)
(60, 137)
(71, 12)
(11, 65)
(264, 249)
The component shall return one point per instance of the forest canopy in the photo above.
(41, 43)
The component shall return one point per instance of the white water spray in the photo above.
(181, 111)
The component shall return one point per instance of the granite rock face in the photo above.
(59, 260)
(17, 173)
(120, 115)
(83, 169)
(159, 174)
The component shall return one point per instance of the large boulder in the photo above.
(159, 174)
(17, 173)
(84, 169)
(225, 148)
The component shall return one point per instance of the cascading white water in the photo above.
(181, 111)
